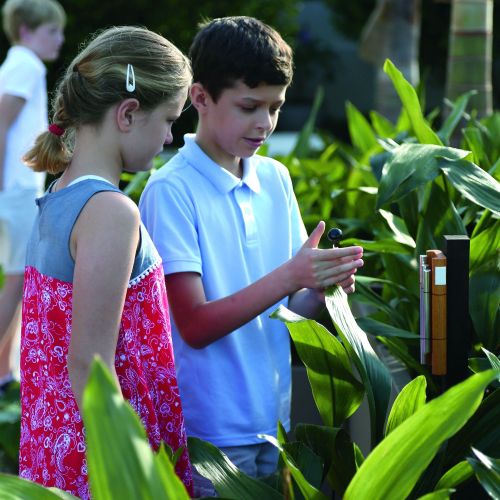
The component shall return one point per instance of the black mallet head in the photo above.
(335, 235)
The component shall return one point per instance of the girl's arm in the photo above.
(103, 244)
(202, 322)
(10, 107)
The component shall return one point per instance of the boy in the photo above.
(35, 30)
(227, 225)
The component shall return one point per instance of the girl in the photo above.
(93, 279)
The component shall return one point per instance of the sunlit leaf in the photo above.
(16, 488)
(409, 400)
(373, 372)
(392, 469)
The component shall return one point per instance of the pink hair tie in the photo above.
(56, 130)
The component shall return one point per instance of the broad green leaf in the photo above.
(392, 469)
(302, 147)
(373, 372)
(382, 126)
(455, 116)
(411, 104)
(481, 431)
(399, 349)
(377, 328)
(473, 183)
(483, 304)
(336, 391)
(443, 494)
(476, 145)
(307, 489)
(411, 166)
(487, 471)
(310, 464)
(16, 488)
(409, 400)
(368, 296)
(385, 246)
(120, 460)
(398, 227)
(494, 361)
(228, 480)
(360, 131)
(336, 449)
(485, 245)
(457, 475)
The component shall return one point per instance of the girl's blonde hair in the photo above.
(96, 80)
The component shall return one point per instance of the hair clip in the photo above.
(130, 80)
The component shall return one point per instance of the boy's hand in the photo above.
(317, 268)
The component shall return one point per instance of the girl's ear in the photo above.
(24, 33)
(199, 97)
(125, 114)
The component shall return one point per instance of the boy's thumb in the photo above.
(315, 236)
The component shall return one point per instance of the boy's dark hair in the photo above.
(239, 48)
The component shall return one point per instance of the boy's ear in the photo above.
(199, 97)
(125, 114)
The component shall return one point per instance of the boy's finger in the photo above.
(338, 253)
(315, 237)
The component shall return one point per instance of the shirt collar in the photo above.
(223, 180)
(29, 53)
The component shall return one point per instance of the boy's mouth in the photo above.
(255, 142)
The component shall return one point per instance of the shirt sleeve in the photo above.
(170, 218)
(22, 79)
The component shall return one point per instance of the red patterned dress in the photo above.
(52, 448)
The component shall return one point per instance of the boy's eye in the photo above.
(248, 109)
(275, 110)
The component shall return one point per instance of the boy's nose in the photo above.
(265, 122)
(169, 138)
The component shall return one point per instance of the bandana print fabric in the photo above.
(52, 447)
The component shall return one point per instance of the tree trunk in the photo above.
(470, 53)
(392, 32)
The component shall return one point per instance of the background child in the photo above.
(35, 30)
(94, 281)
(228, 227)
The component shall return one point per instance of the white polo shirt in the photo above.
(22, 74)
(232, 232)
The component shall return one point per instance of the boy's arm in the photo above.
(201, 322)
(10, 107)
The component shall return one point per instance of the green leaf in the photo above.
(481, 431)
(438, 495)
(227, 479)
(120, 460)
(398, 228)
(373, 372)
(360, 131)
(483, 304)
(385, 245)
(336, 449)
(487, 471)
(484, 246)
(307, 489)
(16, 488)
(377, 328)
(392, 469)
(476, 145)
(494, 360)
(411, 104)
(455, 116)
(301, 148)
(472, 182)
(336, 391)
(382, 126)
(411, 166)
(457, 475)
(409, 400)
